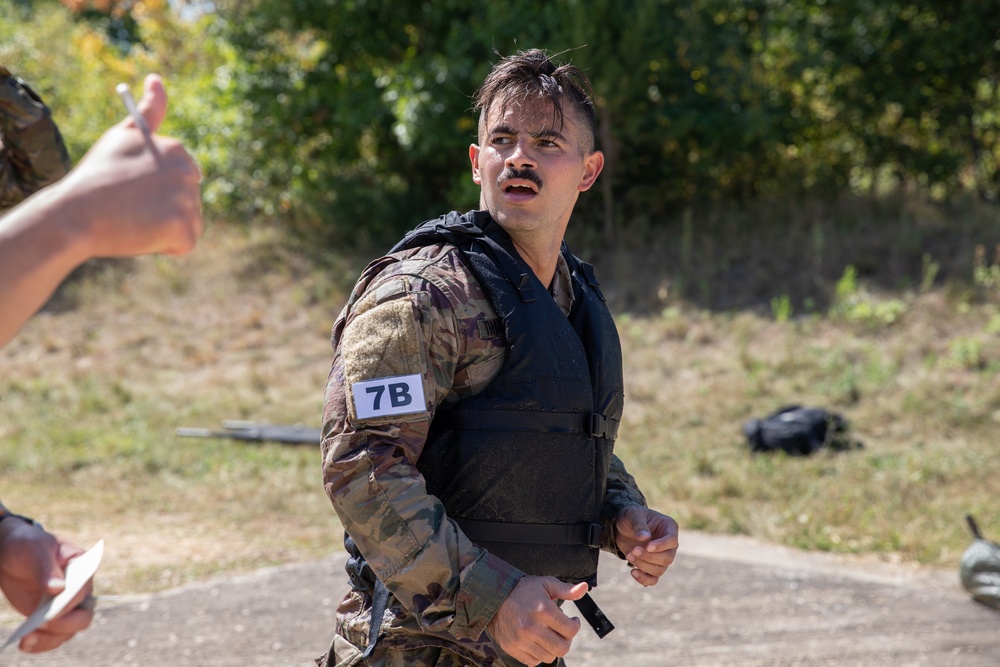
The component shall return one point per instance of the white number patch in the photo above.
(399, 395)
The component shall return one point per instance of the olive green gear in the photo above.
(980, 568)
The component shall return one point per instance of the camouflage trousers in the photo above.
(403, 642)
(345, 654)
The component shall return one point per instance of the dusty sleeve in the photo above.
(403, 333)
(622, 491)
(32, 154)
(10, 188)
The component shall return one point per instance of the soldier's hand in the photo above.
(529, 626)
(649, 541)
(32, 563)
(137, 194)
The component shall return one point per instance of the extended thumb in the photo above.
(635, 522)
(153, 105)
(54, 578)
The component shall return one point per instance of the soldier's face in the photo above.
(531, 170)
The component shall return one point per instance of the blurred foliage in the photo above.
(75, 59)
(349, 120)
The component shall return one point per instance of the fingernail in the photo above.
(643, 535)
(57, 582)
(29, 642)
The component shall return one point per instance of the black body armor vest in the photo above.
(522, 467)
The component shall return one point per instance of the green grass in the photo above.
(917, 373)
(905, 345)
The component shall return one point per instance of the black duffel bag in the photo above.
(796, 430)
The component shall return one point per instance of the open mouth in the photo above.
(519, 183)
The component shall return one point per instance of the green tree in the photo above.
(368, 103)
(349, 120)
(914, 83)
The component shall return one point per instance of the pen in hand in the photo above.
(133, 110)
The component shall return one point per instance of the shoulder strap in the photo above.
(482, 242)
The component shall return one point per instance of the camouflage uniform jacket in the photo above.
(32, 153)
(418, 313)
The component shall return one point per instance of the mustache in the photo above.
(522, 174)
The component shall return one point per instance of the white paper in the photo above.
(78, 572)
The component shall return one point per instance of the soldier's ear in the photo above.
(593, 163)
(474, 159)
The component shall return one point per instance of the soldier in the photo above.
(472, 407)
(32, 153)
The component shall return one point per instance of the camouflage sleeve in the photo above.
(32, 154)
(402, 346)
(622, 491)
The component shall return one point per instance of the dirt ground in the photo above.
(726, 602)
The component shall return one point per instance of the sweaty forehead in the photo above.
(520, 116)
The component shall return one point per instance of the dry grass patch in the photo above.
(926, 419)
(92, 390)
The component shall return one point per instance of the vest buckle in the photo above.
(603, 427)
(598, 425)
(594, 533)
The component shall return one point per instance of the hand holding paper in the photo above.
(47, 578)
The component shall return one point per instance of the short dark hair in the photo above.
(532, 74)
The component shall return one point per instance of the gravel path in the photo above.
(725, 602)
